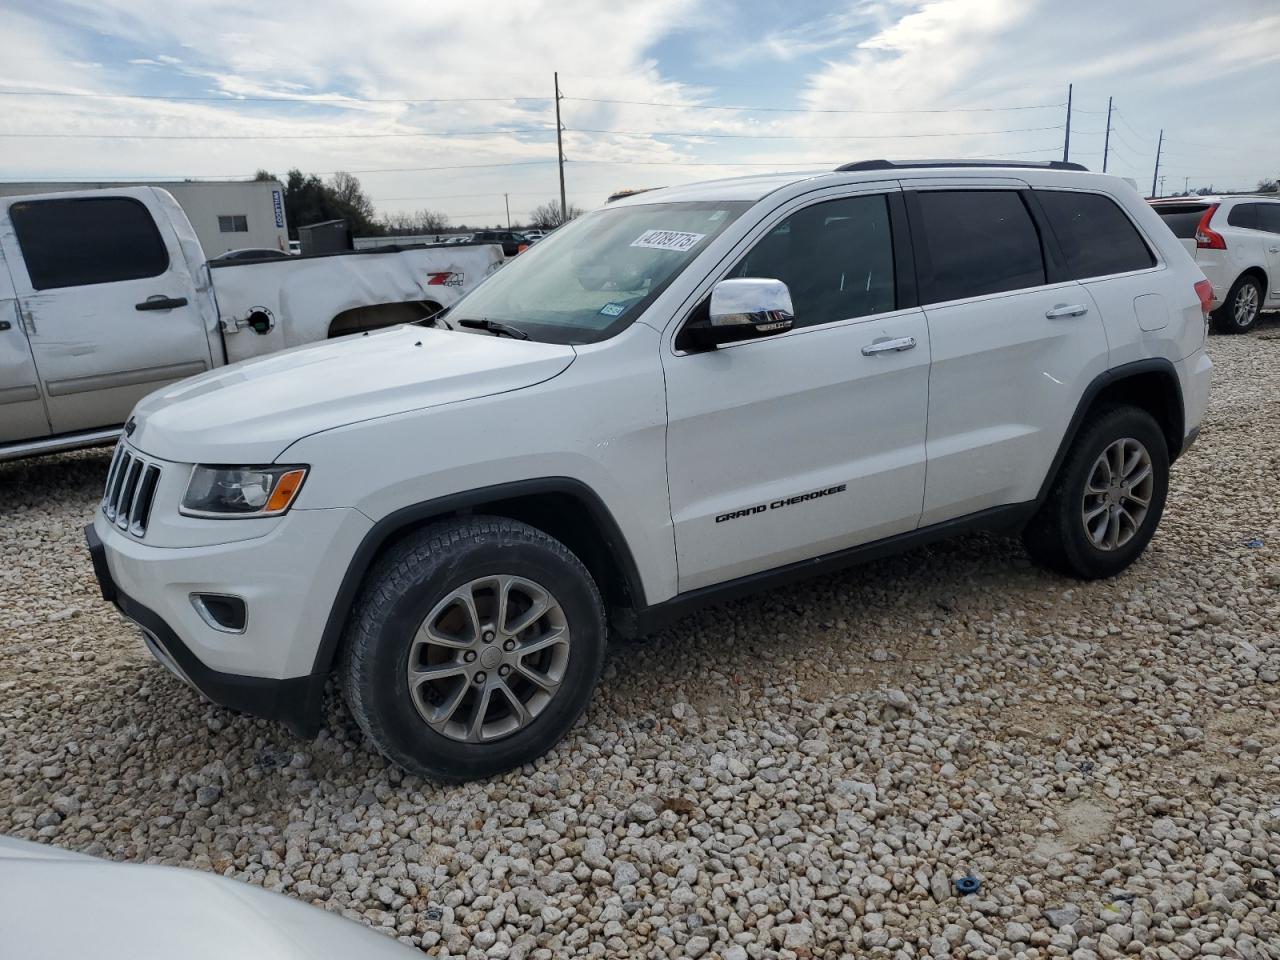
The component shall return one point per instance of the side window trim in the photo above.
(892, 190)
(1055, 261)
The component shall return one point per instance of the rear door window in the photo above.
(1181, 218)
(835, 257)
(976, 242)
(85, 240)
(1096, 236)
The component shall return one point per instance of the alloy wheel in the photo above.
(488, 658)
(1117, 494)
(1245, 309)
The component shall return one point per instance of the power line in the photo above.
(804, 136)
(272, 136)
(714, 106)
(234, 98)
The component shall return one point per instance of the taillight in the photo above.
(439, 279)
(1207, 239)
(1204, 290)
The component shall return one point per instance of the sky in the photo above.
(448, 104)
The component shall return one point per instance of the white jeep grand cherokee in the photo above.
(691, 393)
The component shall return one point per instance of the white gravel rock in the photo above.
(796, 776)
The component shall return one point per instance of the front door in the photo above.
(792, 446)
(107, 302)
(22, 415)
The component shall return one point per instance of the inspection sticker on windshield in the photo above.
(667, 240)
(613, 309)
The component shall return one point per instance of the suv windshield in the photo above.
(594, 276)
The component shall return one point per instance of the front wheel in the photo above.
(474, 648)
(1108, 497)
(1239, 311)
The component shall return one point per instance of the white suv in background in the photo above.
(689, 394)
(1236, 242)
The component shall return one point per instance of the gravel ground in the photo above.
(803, 774)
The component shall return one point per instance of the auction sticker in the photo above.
(667, 240)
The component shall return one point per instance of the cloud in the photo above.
(1199, 71)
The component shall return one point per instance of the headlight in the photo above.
(224, 492)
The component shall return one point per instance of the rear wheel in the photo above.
(1239, 311)
(1107, 499)
(474, 648)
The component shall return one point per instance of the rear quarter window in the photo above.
(1097, 237)
(1245, 215)
(86, 240)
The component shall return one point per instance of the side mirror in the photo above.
(743, 309)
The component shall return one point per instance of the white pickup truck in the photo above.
(106, 295)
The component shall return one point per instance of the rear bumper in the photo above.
(294, 702)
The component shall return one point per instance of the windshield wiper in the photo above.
(493, 326)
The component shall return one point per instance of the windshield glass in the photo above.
(594, 276)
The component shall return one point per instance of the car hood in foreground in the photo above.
(59, 904)
(250, 412)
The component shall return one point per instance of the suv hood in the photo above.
(251, 411)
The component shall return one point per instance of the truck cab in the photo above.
(104, 299)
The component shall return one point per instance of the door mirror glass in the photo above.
(742, 309)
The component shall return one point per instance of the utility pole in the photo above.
(1186, 185)
(506, 198)
(1106, 141)
(564, 207)
(1156, 173)
(1066, 144)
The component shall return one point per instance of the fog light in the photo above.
(220, 611)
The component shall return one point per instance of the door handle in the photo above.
(1066, 310)
(1273, 249)
(5, 325)
(889, 346)
(161, 302)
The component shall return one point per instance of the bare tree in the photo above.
(347, 190)
(406, 224)
(548, 217)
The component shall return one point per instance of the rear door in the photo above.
(1012, 350)
(22, 414)
(107, 301)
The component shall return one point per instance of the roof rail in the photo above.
(917, 164)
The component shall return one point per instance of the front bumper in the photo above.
(284, 701)
(288, 580)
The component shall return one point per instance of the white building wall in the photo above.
(259, 202)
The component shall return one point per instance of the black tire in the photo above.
(406, 585)
(1057, 537)
(1224, 318)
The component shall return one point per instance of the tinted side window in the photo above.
(1269, 217)
(75, 242)
(977, 242)
(1245, 215)
(1096, 236)
(835, 257)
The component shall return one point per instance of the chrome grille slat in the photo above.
(127, 490)
(131, 488)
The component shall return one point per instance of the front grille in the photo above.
(131, 489)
